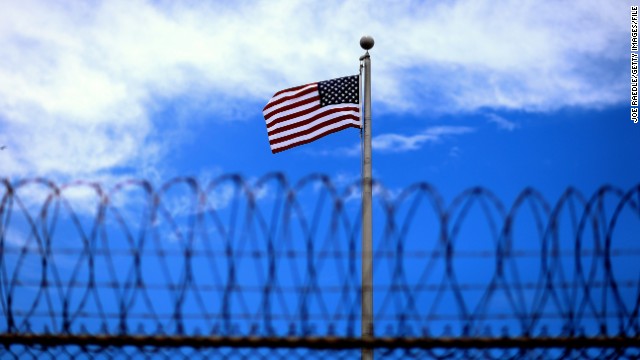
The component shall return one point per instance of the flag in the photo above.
(302, 114)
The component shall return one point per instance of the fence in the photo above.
(243, 269)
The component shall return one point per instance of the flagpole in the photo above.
(366, 42)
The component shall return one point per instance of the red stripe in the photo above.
(287, 98)
(314, 128)
(346, 126)
(292, 106)
(292, 89)
(311, 119)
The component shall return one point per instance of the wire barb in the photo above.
(256, 264)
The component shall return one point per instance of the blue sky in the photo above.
(502, 95)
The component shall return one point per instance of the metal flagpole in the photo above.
(366, 42)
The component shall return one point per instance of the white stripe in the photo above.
(313, 134)
(293, 111)
(312, 124)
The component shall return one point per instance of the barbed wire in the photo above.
(269, 259)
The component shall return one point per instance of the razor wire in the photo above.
(268, 259)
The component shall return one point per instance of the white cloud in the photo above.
(397, 143)
(16, 238)
(501, 122)
(403, 143)
(80, 82)
(455, 152)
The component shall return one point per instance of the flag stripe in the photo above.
(301, 122)
(292, 89)
(276, 150)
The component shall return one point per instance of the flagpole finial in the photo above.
(366, 42)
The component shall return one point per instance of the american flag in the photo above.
(302, 114)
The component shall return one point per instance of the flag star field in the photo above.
(339, 91)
